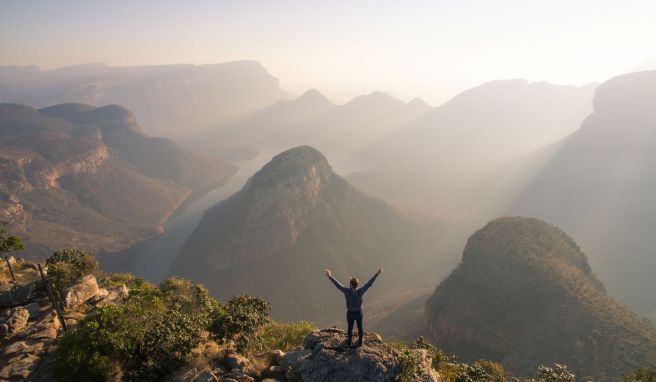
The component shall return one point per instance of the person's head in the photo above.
(353, 283)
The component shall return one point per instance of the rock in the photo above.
(324, 358)
(17, 295)
(271, 380)
(76, 295)
(37, 308)
(102, 293)
(14, 322)
(115, 295)
(19, 368)
(238, 376)
(206, 376)
(21, 347)
(236, 361)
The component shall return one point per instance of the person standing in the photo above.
(353, 296)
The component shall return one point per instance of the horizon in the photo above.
(423, 50)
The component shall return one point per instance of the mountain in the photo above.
(599, 185)
(79, 175)
(168, 100)
(291, 220)
(525, 295)
(349, 128)
(155, 157)
(242, 137)
(457, 148)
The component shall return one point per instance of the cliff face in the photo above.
(70, 177)
(525, 295)
(291, 220)
(599, 186)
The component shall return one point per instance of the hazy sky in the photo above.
(428, 49)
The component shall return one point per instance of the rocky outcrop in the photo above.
(84, 290)
(29, 327)
(324, 358)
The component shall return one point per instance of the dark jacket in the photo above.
(353, 297)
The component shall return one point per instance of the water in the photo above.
(153, 262)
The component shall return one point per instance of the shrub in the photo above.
(409, 366)
(481, 371)
(641, 375)
(283, 336)
(143, 339)
(557, 373)
(239, 320)
(9, 243)
(66, 266)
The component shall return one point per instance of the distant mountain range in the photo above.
(293, 219)
(525, 295)
(339, 131)
(168, 100)
(450, 160)
(77, 175)
(600, 185)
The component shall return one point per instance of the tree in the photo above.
(9, 243)
(68, 265)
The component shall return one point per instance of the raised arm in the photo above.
(369, 283)
(335, 282)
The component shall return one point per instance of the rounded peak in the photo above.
(419, 104)
(301, 164)
(305, 154)
(522, 239)
(66, 110)
(15, 107)
(374, 98)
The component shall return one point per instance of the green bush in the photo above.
(66, 266)
(143, 339)
(240, 320)
(282, 336)
(481, 371)
(409, 366)
(641, 375)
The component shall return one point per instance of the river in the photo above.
(153, 261)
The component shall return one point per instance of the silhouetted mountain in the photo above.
(444, 161)
(168, 100)
(291, 220)
(76, 175)
(525, 295)
(350, 127)
(242, 137)
(600, 187)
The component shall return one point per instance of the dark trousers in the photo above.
(357, 317)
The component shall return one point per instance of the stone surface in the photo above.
(236, 361)
(76, 295)
(324, 358)
(206, 376)
(115, 295)
(13, 322)
(102, 293)
(17, 295)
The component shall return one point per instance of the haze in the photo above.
(426, 49)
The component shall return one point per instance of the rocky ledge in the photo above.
(324, 358)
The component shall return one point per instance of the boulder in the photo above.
(239, 376)
(102, 293)
(325, 358)
(115, 295)
(76, 295)
(234, 361)
(13, 321)
(17, 295)
(206, 376)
